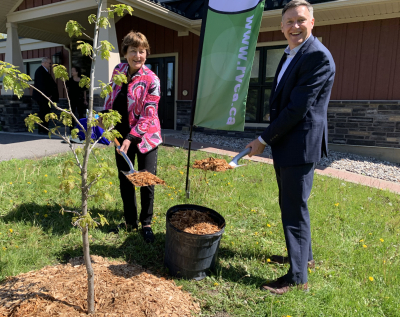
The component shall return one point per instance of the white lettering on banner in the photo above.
(242, 55)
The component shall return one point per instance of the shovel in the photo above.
(234, 162)
(132, 170)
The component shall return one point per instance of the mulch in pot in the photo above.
(194, 222)
(121, 289)
(212, 164)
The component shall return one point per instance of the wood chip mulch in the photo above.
(121, 289)
(193, 221)
(144, 179)
(213, 164)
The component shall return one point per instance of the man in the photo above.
(298, 135)
(46, 84)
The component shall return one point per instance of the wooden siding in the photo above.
(162, 41)
(27, 4)
(367, 57)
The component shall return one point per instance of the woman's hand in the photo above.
(125, 146)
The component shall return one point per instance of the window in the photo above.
(31, 67)
(266, 61)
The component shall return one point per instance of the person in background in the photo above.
(46, 84)
(298, 135)
(137, 102)
(76, 94)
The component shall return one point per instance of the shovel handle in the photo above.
(240, 155)
(124, 155)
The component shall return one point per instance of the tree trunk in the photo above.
(85, 187)
(89, 269)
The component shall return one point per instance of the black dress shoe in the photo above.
(281, 286)
(284, 259)
(148, 234)
(121, 226)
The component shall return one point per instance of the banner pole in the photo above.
(196, 85)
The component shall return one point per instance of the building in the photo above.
(363, 36)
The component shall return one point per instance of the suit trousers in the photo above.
(44, 109)
(146, 161)
(295, 183)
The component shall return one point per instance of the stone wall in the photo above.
(367, 123)
(13, 112)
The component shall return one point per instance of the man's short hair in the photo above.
(298, 3)
(45, 59)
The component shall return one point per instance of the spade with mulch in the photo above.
(213, 164)
(194, 222)
(144, 179)
(121, 289)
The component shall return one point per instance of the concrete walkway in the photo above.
(31, 146)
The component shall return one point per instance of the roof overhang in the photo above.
(47, 22)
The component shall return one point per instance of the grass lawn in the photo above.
(355, 235)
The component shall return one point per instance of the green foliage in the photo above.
(86, 48)
(120, 8)
(50, 116)
(73, 28)
(13, 78)
(74, 134)
(92, 18)
(120, 78)
(106, 89)
(105, 48)
(84, 82)
(60, 72)
(30, 121)
(103, 23)
(66, 119)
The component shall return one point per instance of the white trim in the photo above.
(54, 9)
(29, 44)
(176, 78)
(15, 7)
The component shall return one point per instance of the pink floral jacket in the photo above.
(142, 103)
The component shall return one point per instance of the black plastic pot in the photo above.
(188, 255)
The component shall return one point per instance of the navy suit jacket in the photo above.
(298, 132)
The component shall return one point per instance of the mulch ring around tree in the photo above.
(194, 222)
(212, 164)
(121, 289)
(144, 179)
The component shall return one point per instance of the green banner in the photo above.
(229, 45)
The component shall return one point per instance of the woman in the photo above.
(76, 94)
(137, 102)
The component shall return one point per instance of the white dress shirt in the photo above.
(290, 55)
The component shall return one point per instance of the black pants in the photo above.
(295, 185)
(43, 110)
(146, 161)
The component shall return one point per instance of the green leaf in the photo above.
(103, 23)
(105, 48)
(31, 120)
(50, 116)
(66, 119)
(119, 79)
(86, 48)
(106, 89)
(74, 133)
(60, 72)
(120, 8)
(84, 82)
(92, 18)
(73, 28)
(103, 220)
(78, 150)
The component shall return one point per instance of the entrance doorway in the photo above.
(164, 68)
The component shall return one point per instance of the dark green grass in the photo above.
(355, 234)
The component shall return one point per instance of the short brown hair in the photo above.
(298, 3)
(135, 39)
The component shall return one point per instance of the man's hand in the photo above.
(256, 147)
(125, 146)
